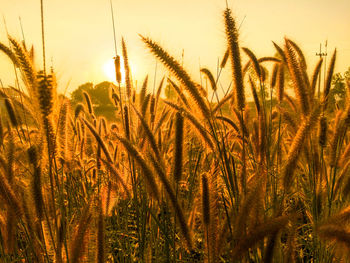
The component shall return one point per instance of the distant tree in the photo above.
(338, 92)
(77, 95)
(347, 74)
(169, 91)
(99, 95)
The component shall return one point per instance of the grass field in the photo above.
(192, 178)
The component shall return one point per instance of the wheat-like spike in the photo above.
(99, 140)
(78, 109)
(46, 103)
(330, 71)
(11, 112)
(269, 59)
(142, 163)
(103, 122)
(152, 109)
(232, 42)
(118, 74)
(145, 104)
(143, 91)
(274, 75)
(45, 93)
(196, 123)
(36, 182)
(127, 70)
(280, 83)
(225, 58)
(98, 151)
(280, 52)
(159, 91)
(37, 192)
(149, 134)
(297, 78)
(253, 60)
(322, 131)
(337, 133)
(77, 245)
(255, 95)
(127, 122)
(260, 232)
(179, 93)
(23, 102)
(116, 99)
(297, 145)
(300, 54)
(62, 129)
(179, 212)
(179, 134)
(25, 63)
(264, 73)
(180, 74)
(88, 102)
(210, 76)
(32, 54)
(10, 54)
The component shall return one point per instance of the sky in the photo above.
(79, 35)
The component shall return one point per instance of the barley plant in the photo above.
(194, 178)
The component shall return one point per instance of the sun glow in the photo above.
(109, 70)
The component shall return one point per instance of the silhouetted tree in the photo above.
(99, 95)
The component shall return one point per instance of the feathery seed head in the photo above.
(232, 42)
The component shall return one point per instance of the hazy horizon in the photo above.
(79, 39)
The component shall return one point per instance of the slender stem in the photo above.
(114, 35)
(43, 35)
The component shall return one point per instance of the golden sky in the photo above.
(79, 38)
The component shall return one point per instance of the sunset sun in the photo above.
(109, 70)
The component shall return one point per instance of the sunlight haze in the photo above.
(79, 36)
